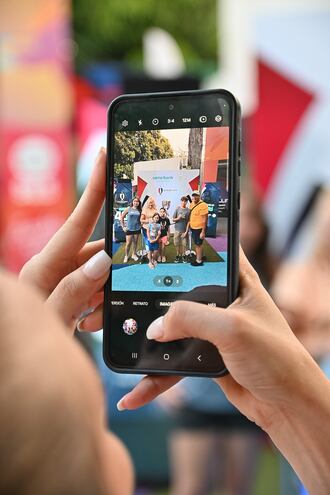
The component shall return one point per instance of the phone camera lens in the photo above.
(171, 107)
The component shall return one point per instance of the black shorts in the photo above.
(133, 232)
(190, 419)
(195, 233)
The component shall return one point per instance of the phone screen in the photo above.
(170, 187)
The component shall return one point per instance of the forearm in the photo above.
(303, 434)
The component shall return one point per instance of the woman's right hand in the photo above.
(273, 380)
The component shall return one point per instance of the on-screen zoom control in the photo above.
(168, 281)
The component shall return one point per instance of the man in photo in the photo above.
(180, 219)
(197, 224)
(164, 231)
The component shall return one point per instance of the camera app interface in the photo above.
(169, 217)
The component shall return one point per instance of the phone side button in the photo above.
(239, 200)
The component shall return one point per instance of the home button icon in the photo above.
(166, 357)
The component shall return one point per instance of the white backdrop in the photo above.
(167, 186)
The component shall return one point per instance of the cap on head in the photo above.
(196, 193)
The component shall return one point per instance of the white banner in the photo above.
(168, 186)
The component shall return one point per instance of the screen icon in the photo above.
(170, 121)
(186, 120)
(158, 281)
(203, 119)
(155, 121)
(166, 357)
(168, 281)
(140, 122)
(218, 118)
(177, 281)
(124, 123)
(130, 326)
(134, 355)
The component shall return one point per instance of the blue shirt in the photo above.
(133, 219)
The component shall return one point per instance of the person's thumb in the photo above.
(189, 319)
(72, 295)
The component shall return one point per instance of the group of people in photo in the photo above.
(154, 225)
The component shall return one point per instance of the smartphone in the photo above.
(172, 214)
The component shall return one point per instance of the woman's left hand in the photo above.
(69, 271)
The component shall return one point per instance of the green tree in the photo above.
(138, 146)
(113, 30)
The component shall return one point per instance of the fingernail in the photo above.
(156, 329)
(120, 405)
(79, 325)
(102, 150)
(97, 266)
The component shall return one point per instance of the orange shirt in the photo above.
(197, 213)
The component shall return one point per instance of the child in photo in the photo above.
(164, 233)
(180, 219)
(152, 241)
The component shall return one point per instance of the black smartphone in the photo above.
(172, 213)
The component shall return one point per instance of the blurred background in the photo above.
(61, 64)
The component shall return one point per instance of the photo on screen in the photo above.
(168, 184)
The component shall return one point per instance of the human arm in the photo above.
(176, 216)
(187, 230)
(204, 220)
(122, 217)
(273, 380)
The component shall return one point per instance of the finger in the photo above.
(189, 319)
(246, 270)
(147, 390)
(239, 396)
(62, 249)
(96, 299)
(92, 322)
(89, 250)
(73, 293)
(80, 225)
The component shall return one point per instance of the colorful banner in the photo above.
(36, 115)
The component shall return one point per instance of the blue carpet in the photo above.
(141, 277)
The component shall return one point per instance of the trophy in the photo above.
(166, 203)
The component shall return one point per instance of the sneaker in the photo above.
(159, 259)
(177, 259)
(195, 263)
(155, 263)
(163, 259)
(184, 259)
(134, 257)
(180, 259)
(151, 265)
(125, 259)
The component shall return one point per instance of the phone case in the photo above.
(233, 218)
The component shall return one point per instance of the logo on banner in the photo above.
(160, 190)
(122, 196)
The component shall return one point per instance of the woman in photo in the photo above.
(164, 234)
(133, 227)
(148, 210)
(152, 242)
